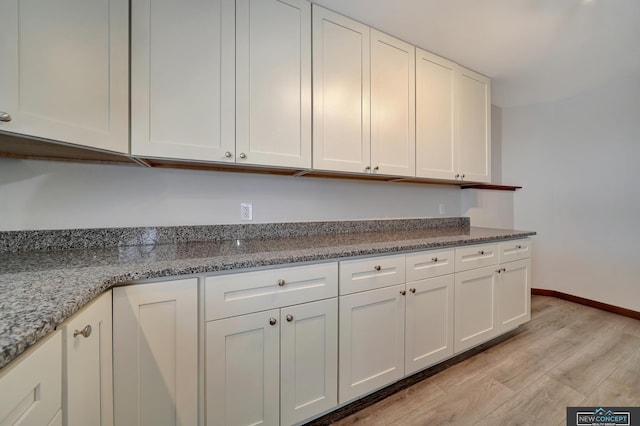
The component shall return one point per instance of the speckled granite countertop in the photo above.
(40, 289)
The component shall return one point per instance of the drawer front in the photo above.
(477, 256)
(515, 250)
(371, 273)
(31, 387)
(429, 264)
(246, 292)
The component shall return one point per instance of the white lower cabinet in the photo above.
(398, 329)
(513, 294)
(271, 351)
(155, 353)
(242, 368)
(308, 360)
(87, 384)
(475, 307)
(31, 386)
(272, 367)
(429, 322)
(491, 300)
(371, 340)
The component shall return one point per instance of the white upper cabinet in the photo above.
(453, 108)
(436, 153)
(65, 71)
(222, 81)
(392, 106)
(341, 97)
(182, 79)
(273, 105)
(473, 131)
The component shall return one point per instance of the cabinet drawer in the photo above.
(476, 256)
(429, 264)
(515, 250)
(31, 387)
(245, 292)
(371, 273)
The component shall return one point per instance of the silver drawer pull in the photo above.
(5, 117)
(289, 317)
(518, 246)
(273, 321)
(85, 332)
(412, 290)
(481, 252)
(281, 283)
(501, 270)
(377, 267)
(434, 259)
(403, 292)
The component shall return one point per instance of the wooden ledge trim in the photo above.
(587, 302)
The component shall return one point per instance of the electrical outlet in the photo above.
(246, 211)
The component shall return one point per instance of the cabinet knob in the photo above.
(5, 116)
(518, 246)
(501, 270)
(481, 252)
(402, 292)
(366, 169)
(227, 154)
(377, 267)
(457, 175)
(281, 283)
(412, 290)
(289, 317)
(273, 321)
(434, 259)
(376, 168)
(85, 332)
(243, 155)
(462, 176)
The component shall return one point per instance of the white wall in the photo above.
(490, 208)
(579, 162)
(58, 195)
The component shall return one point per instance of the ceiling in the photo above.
(534, 50)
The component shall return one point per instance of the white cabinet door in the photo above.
(242, 370)
(475, 307)
(309, 360)
(273, 104)
(155, 353)
(473, 128)
(436, 152)
(65, 71)
(513, 291)
(30, 387)
(341, 97)
(87, 385)
(371, 341)
(183, 79)
(393, 128)
(429, 326)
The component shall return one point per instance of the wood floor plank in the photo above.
(589, 367)
(464, 405)
(613, 394)
(628, 372)
(392, 408)
(550, 402)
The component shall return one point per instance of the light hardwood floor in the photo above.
(567, 355)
